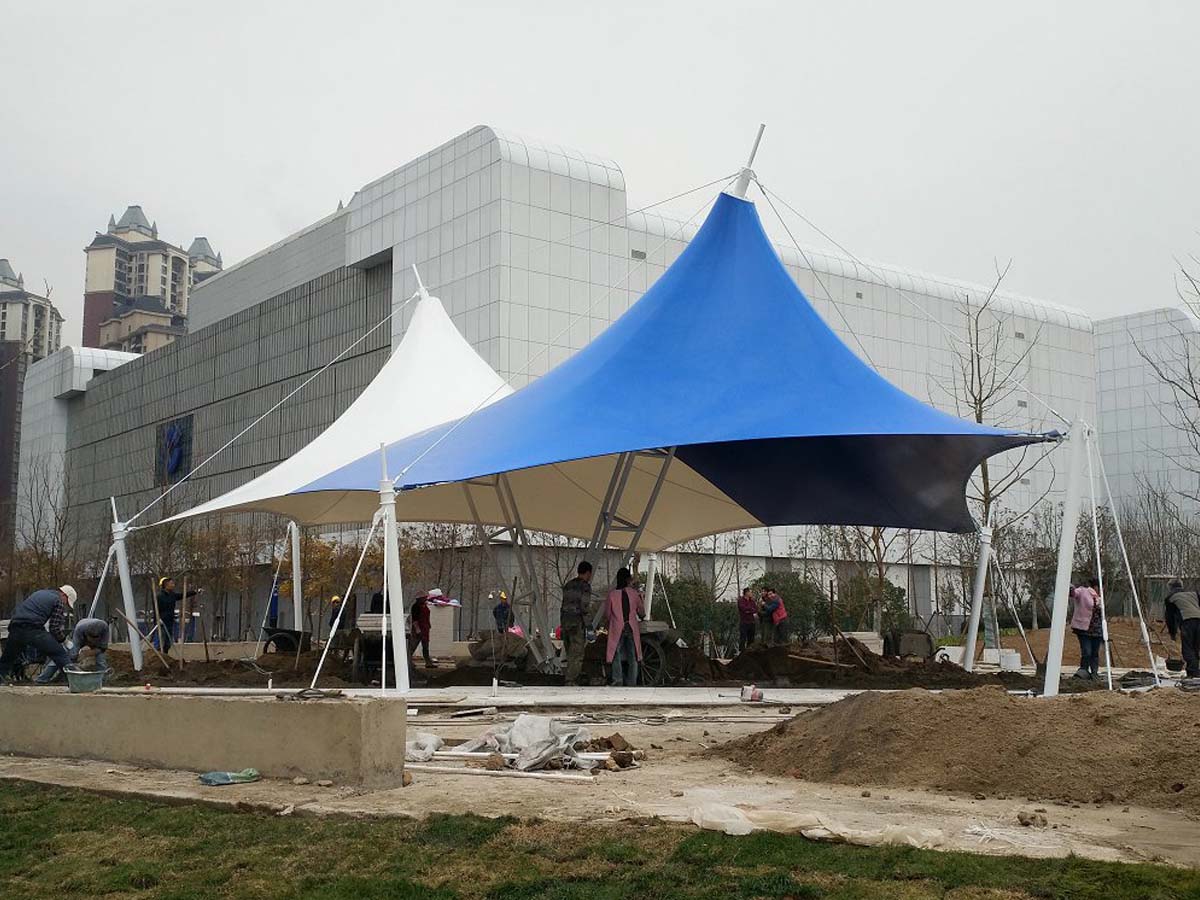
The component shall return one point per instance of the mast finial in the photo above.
(747, 174)
(420, 284)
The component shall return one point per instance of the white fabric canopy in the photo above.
(434, 376)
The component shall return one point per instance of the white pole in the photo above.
(747, 173)
(981, 568)
(1137, 603)
(297, 587)
(391, 561)
(1066, 558)
(651, 574)
(337, 620)
(100, 584)
(1099, 568)
(120, 530)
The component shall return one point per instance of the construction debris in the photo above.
(534, 739)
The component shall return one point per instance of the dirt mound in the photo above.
(283, 670)
(1100, 746)
(852, 665)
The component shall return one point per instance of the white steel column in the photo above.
(1066, 558)
(651, 574)
(394, 597)
(981, 570)
(100, 584)
(120, 531)
(1099, 565)
(297, 587)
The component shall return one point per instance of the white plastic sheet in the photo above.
(535, 739)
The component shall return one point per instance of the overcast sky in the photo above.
(937, 136)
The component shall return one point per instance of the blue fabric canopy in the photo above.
(775, 420)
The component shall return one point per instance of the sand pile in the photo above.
(1094, 747)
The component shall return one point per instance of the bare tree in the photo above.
(48, 550)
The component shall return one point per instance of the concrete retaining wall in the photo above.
(347, 741)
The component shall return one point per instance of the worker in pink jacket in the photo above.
(1086, 622)
(624, 610)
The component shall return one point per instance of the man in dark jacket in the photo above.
(421, 627)
(747, 619)
(40, 621)
(502, 612)
(1183, 617)
(576, 609)
(168, 599)
(90, 634)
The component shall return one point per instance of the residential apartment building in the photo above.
(137, 287)
(30, 329)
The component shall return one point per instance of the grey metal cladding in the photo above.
(226, 375)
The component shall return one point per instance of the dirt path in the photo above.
(671, 784)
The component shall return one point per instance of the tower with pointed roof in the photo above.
(137, 285)
(30, 329)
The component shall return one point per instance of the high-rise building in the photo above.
(30, 329)
(137, 286)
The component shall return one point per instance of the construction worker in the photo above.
(1183, 617)
(168, 599)
(90, 634)
(502, 612)
(335, 609)
(774, 608)
(747, 617)
(421, 627)
(40, 621)
(573, 617)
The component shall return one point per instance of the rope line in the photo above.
(275, 407)
(817, 275)
(1015, 382)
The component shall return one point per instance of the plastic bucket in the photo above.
(82, 681)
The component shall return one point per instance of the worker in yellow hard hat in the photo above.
(502, 612)
(335, 609)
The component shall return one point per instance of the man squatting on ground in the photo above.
(40, 621)
(576, 604)
(1183, 617)
(89, 633)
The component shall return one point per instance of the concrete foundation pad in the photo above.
(355, 741)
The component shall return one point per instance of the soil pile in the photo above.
(850, 664)
(283, 670)
(1094, 747)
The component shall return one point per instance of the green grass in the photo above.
(62, 843)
